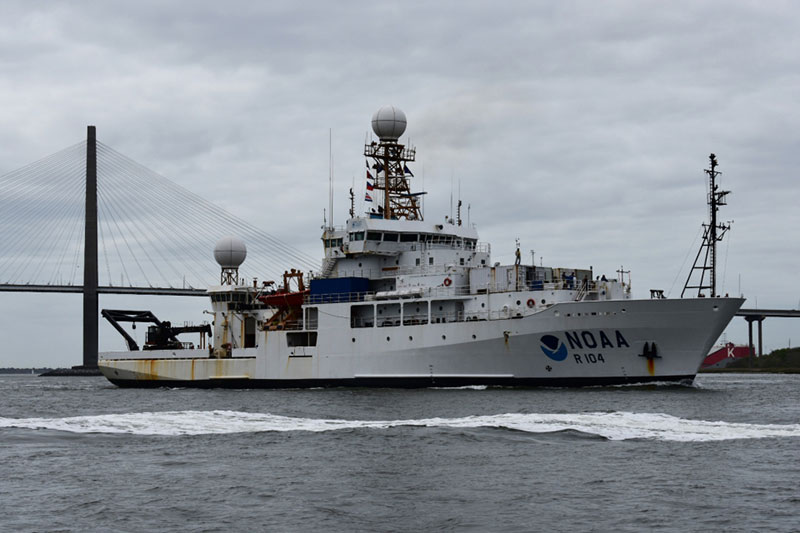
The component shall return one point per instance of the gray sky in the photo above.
(580, 127)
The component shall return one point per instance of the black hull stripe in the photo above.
(401, 383)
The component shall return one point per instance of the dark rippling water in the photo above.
(78, 454)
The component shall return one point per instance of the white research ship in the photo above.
(403, 302)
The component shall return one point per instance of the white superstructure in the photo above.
(401, 301)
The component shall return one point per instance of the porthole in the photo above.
(474, 336)
(410, 338)
(387, 339)
(518, 302)
(483, 305)
(354, 339)
(623, 310)
(542, 301)
(444, 337)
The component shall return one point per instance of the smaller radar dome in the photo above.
(389, 123)
(230, 252)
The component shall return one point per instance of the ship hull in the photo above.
(565, 345)
(403, 383)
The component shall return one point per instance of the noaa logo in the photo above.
(553, 348)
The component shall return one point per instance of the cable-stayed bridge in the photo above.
(90, 220)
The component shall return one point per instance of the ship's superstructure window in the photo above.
(447, 311)
(415, 313)
(301, 338)
(409, 237)
(333, 243)
(362, 316)
(374, 236)
(239, 297)
(249, 332)
(388, 315)
(357, 236)
(312, 318)
(390, 237)
(430, 260)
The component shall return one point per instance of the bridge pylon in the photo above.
(90, 303)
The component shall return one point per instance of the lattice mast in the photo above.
(712, 233)
(389, 158)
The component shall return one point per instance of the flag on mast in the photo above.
(367, 197)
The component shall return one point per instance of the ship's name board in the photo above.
(586, 339)
(557, 350)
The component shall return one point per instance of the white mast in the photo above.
(330, 177)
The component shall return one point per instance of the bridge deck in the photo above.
(764, 313)
(157, 291)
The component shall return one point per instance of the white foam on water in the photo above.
(462, 387)
(618, 425)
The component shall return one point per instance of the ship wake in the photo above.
(617, 425)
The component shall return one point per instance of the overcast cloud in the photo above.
(580, 127)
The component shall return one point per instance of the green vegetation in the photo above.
(36, 371)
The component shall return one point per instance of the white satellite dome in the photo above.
(389, 123)
(230, 252)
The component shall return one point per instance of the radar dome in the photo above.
(389, 123)
(230, 252)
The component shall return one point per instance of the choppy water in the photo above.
(78, 454)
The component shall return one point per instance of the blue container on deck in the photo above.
(334, 290)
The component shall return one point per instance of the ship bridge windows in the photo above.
(357, 236)
(445, 240)
(377, 236)
(409, 237)
(236, 297)
(333, 243)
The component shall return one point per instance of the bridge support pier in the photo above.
(750, 319)
(90, 303)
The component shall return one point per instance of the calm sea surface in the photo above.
(78, 454)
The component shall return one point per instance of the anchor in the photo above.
(650, 352)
